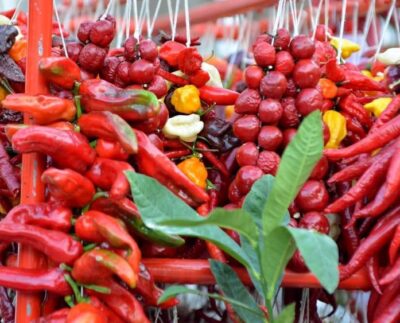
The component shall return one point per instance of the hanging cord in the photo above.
(16, 12)
(170, 14)
(310, 6)
(158, 6)
(60, 28)
(367, 25)
(124, 23)
(148, 22)
(278, 17)
(284, 15)
(128, 18)
(187, 24)
(317, 18)
(177, 4)
(107, 11)
(135, 17)
(355, 21)
(300, 15)
(344, 6)
(396, 24)
(294, 17)
(386, 25)
(138, 30)
(326, 19)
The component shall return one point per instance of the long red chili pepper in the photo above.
(391, 313)
(388, 294)
(177, 153)
(172, 77)
(209, 155)
(58, 246)
(8, 173)
(359, 82)
(373, 272)
(388, 132)
(354, 126)
(388, 114)
(392, 275)
(394, 245)
(217, 95)
(351, 172)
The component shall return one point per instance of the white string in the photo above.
(367, 26)
(311, 14)
(326, 18)
(16, 12)
(284, 12)
(138, 30)
(177, 4)
(317, 18)
(278, 18)
(300, 15)
(355, 21)
(155, 16)
(109, 6)
(389, 16)
(122, 29)
(128, 18)
(135, 15)
(148, 18)
(344, 6)
(170, 14)
(294, 17)
(60, 28)
(286, 19)
(374, 26)
(187, 24)
(396, 24)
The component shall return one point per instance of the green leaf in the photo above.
(232, 287)
(237, 220)
(279, 248)
(297, 163)
(157, 205)
(320, 254)
(177, 289)
(286, 315)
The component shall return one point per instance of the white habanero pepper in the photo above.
(185, 127)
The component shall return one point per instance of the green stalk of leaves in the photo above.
(267, 243)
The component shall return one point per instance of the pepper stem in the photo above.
(74, 287)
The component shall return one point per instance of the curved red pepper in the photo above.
(61, 71)
(392, 275)
(394, 245)
(388, 114)
(68, 149)
(218, 96)
(391, 313)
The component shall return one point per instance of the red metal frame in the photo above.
(32, 190)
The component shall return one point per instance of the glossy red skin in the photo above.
(91, 58)
(284, 63)
(315, 221)
(321, 169)
(247, 154)
(290, 115)
(156, 141)
(264, 54)
(246, 177)
(110, 68)
(270, 138)
(273, 85)
(189, 60)
(268, 161)
(313, 196)
(85, 75)
(154, 123)
(130, 49)
(282, 38)
(84, 31)
(291, 90)
(248, 102)
(73, 50)
(247, 128)
(142, 72)
(306, 73)
(287, 136)
(320, 33)
(308, 100)
(270, 111)
(158, 86)
(234, 194)
(302, 47)
(148, 50)
(263, 38)
(327, 134)
(110, 150)
(122, 72)
(327, 105)
(253, 75)
(169, 52)
(102, 33)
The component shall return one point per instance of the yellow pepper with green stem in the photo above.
(336, 124)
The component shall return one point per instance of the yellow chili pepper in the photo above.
(348, 47)
(337, 128)
(19, 50)
(378, 106)
(195, 170)
(186, 99)
(367, 73)
(229, 110)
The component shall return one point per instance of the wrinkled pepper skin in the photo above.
(122, 302)
(61, 71)
(44, 109)
(111, 150)
(109, 126)
(127, 211)
(68, 149)
(132, 105)
(58, 246)
(152, 162)
(68, 187)
(109, 174)
(49, 215)
(8, 173)
(23, 279)
(98, 265)
(85, 312)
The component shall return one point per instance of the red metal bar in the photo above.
(185, 271)
(32, 190)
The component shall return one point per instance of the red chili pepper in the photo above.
(373, 272)
(392, 275)
(57, 245)
(391, 313)
(175, 79)
(169, 52)
(147, 288)
(61, 71)
(107, 312)
(334, 72)
(350, 106)
(8, 173)
(217, 95)
(215, 162)
(108, 126)
(98, 265)
(357, 81)
(32, 280)
(109, 174)
(122, 302)
(44, 109)
(46, 215)
(388, 295)
(387, 133)
(388, 114)
(85, 312)
(343, 92)
(199, 78)
(174, 144)
(154, 163)
(394, 245)
(59, 316)
(110, 150)
(11, 129)
(177, 153)
(372, 303)
(354, 126)
(369, 247)
(68, 149)
(352, 172)
(366, 182)
(132, 105)
(189, 60)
